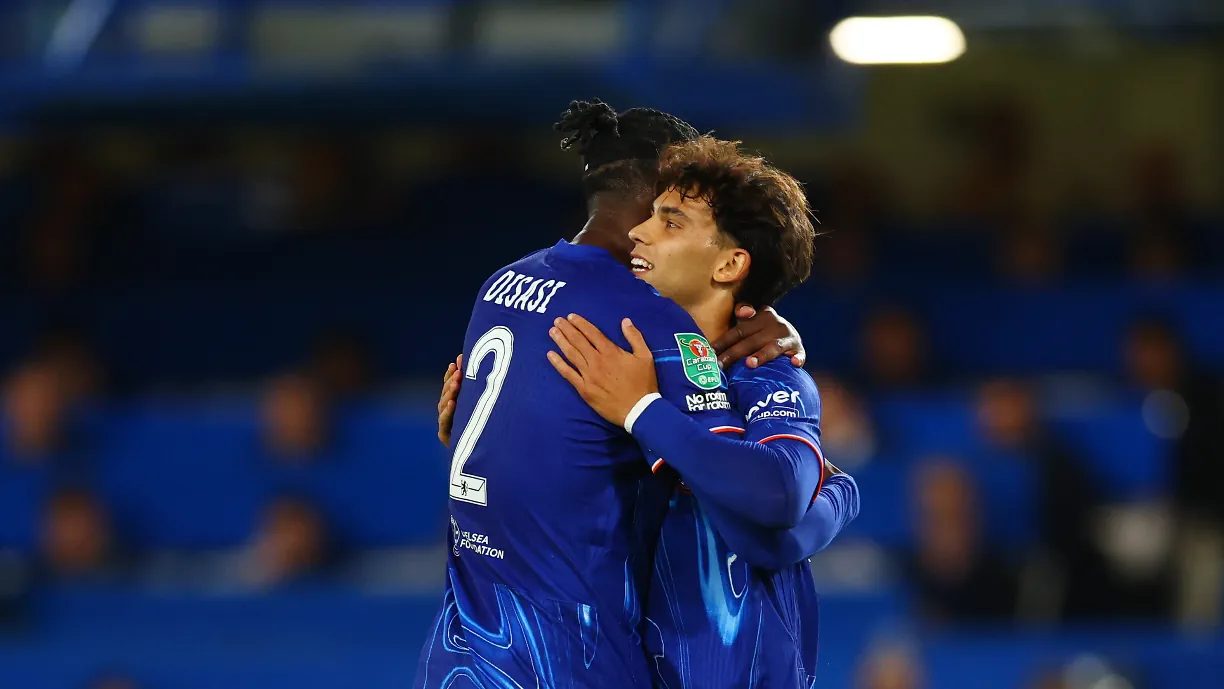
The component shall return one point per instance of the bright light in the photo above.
(897, 40)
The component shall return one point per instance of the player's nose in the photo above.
(639, 234)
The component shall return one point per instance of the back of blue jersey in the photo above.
(714, 621)
(548, 501)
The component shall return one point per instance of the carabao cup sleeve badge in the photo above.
(700, 364)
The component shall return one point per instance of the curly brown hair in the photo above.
(757, 206)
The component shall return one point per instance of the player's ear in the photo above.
(733, 266)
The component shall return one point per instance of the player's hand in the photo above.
(446, 403)
(607, 377)
(761, 336)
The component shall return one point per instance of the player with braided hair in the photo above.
(553, 510)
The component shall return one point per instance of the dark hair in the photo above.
(759, 207)
(620, 152)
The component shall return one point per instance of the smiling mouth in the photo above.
(640, 265)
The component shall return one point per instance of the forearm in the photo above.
(767, 484)
(836, 505)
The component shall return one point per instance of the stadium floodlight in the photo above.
(897, 40)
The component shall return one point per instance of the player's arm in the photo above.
(835, 506)
(770, 482)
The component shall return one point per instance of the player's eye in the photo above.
(672, 224)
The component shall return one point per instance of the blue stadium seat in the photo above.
(383, 482)
(181, 475)
(1122, 455)
(23, 490)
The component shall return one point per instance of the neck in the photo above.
(608, 227)
(713, 315)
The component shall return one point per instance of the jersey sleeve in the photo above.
(778, 402)
(835, 506)
(771, 473)
(687, 369)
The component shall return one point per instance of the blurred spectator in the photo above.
(999, 137)
(341, 365)
(295, 418)
(849, 213)
(1158, 186)
(848, 436)
(1068, 500)
(196, 192)
(844, 252)
(1191, 406)
(1158, 254)
(891, 667)
(323, 183)
(956, 578)
(1029, 254)
(76, 543)
(56, 253)
(1161, 245)
(68, 189)
(112, 680)
(894, 351)
(68, 352)
(291, 545)
(35, 405)
(1048, 680)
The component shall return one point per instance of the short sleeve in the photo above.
(777, 401)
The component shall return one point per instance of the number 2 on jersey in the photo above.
(498, 342)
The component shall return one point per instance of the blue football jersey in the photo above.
(714, 620)
(552, 507)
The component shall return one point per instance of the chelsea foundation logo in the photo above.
(700, 364)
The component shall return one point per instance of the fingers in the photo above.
(766, 354)
(567, 336)
(446, 421)
(743, 330)
(744, 348)
(567, 372)
(451, 384)
(450, 389)
(744, 311)
(596, 337)
(798, 360)
(636, 341)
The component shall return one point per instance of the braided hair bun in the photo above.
(583, 122)
(594, 131)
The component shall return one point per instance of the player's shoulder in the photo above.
(777, 387)
(531, 260)
(780, 370)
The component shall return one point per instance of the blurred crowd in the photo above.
(45, 400)
(1084, 567)
(80, 206)
(89, 209)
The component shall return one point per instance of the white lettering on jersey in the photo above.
(522, 292)
(520, 302)
(707, 401)
(764, 410)
(476, 542)
(516, 283)
(547, 299)
(498, 284)
(539, 298)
